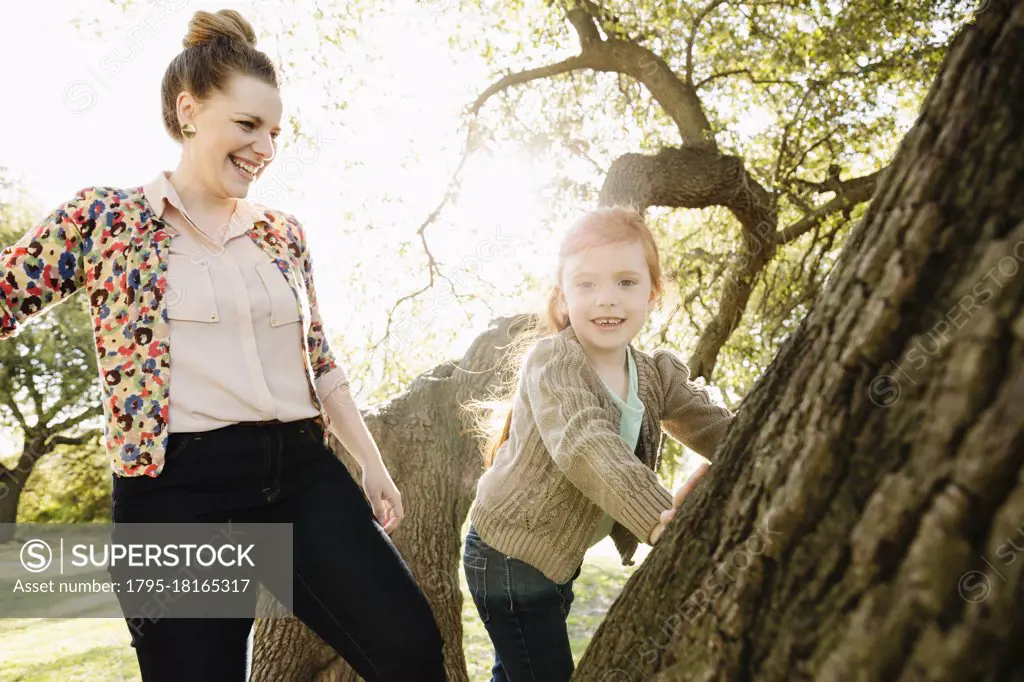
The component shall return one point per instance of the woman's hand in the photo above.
(677, 500)
(384, 497)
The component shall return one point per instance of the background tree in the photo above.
(49, 395)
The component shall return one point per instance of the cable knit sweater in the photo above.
(564, 463)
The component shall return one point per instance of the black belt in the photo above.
(269, 422)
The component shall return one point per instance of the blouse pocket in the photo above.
(284, 309)
(189, 295)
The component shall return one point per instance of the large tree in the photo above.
(48, 392)
(849, 525)
(858, 520)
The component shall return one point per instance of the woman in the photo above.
(241, 432)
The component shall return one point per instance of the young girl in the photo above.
(577, 457)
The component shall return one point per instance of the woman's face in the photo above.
(236, 134)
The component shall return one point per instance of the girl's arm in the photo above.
(583, 442)
(688, 414)
(47, 264)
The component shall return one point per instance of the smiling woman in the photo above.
(223, 86)
(256, 391)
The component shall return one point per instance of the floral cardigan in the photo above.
(110, 243)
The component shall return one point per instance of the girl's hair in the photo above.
(217, 46)
(599, 227)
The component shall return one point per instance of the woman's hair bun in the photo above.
(227, 24)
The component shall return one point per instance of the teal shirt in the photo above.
(629, 430)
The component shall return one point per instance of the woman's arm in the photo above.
(47, 264)
(346, 420)
(584, 444)
(348, 425)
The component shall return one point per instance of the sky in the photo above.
(83, 109)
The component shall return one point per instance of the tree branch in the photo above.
(37, 398)
(698, 20)
(72, 422)
(848, 194)
(432, 266)
(834, 76)
(677, 97)
(770, 81)
(674, 177)
(12, 405)
(586, 27)
(521, 77)
(80, 440)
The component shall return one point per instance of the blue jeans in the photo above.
(524, 612)
(351, 586)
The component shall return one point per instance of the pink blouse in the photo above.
(236, 332)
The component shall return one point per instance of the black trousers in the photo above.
(350, 585)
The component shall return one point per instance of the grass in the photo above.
(66, 650)
(80, 649)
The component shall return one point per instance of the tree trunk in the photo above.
(860, 519)
(431, 453)
(12, 483)
(10, 495)
(756, 250)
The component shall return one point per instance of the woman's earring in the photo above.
(188, 130)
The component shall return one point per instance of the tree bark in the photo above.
(431, 452)
(12, 483)
(10, 496)
(863, 519)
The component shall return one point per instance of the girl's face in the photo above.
(607, 293)
(236, 134)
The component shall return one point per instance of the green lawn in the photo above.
(65, 650)
(87, 649)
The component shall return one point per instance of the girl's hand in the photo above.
(384, 497)
(666, 516)
(677, 500)
(686, 488)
